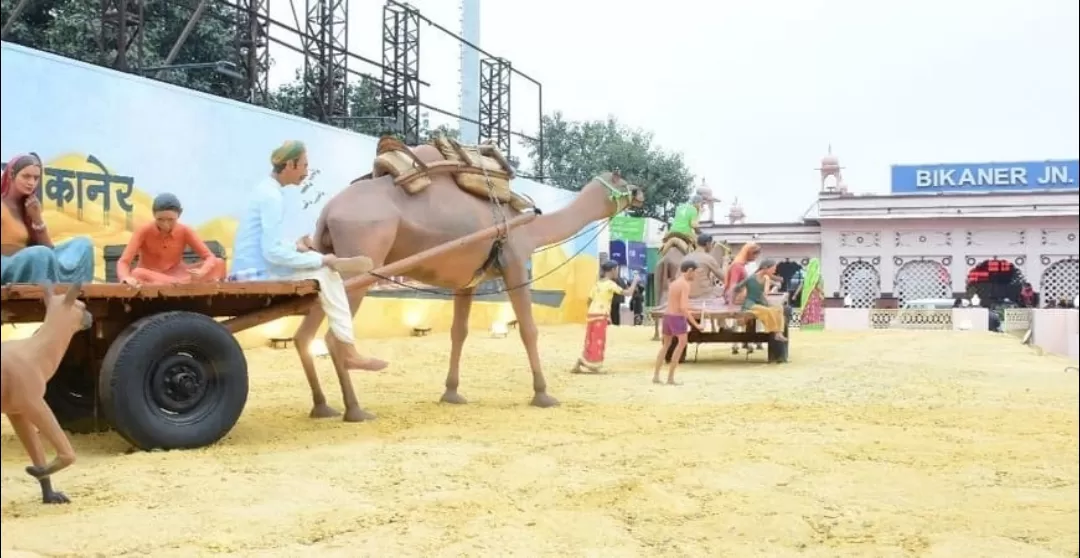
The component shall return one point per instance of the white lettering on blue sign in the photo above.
(990, 176)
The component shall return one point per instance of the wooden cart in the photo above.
(720, 321)
(159, 367)
(156, 366)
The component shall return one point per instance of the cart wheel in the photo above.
(70, 395)
(174, 380)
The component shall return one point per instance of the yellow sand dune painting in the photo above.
(115, 227)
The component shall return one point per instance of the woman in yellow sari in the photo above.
(771, 318)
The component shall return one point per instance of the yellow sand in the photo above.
(875, 444)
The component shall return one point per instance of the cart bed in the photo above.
(115, 301)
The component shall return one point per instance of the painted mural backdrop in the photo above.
(111, 142)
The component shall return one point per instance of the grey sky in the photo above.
(753, 93)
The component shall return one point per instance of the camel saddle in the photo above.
(480, 170)
(676, 240)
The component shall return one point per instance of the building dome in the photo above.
(705, 193)
(736, 214)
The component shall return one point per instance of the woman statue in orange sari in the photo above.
(29, 253)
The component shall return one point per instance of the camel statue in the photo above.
(671, 256)
(27, 366)
(421, 197)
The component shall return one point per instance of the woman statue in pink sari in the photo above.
(811, 297)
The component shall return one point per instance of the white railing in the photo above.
(911, 319)
(1016, 319)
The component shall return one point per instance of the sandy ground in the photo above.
(874, 444)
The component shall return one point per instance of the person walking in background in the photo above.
(1028, 299)
(618, 299)
(29, 253)
(598, 316)
(677, 321)
(637, 305)
(160, 245)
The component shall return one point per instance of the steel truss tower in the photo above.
(495, 103)
(253, 52)
(326, 60)
(121, 27)
(401, 70)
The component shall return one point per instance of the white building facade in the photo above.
(945, 232)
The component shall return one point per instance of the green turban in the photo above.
(289, 151)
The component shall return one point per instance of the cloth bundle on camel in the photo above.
(481, 170)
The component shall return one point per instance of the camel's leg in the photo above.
(39, 415)
(458, 332)
(353, 411)
(28, 435)
(373, 240)
(521, 301)
(302, 339)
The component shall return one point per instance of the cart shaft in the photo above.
(360, 282)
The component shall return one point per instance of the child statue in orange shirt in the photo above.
(160, 248)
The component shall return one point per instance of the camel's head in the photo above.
(67, 309)
(622, 194)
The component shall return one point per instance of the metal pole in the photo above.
(185, 33)
(540, 131)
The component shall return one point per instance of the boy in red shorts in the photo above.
(676, 321)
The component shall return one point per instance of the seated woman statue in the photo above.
(29, 254)
(160, 246)
(754, 287)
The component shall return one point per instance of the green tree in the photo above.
(575, 152)
(71, 28)
(363, 102)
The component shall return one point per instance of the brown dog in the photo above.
(28, 365)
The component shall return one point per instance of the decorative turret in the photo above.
(736, 216)
(830, 166)
(705, 195)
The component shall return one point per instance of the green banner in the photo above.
(624, 227)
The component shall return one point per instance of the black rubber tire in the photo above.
(132, 383)
(70, 395)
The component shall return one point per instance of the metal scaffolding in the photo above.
(401, 70)
(326, 60)
(253, 52)
(121, 27)
(495, 76)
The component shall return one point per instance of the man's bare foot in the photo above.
(672, 382)
(352, 359)
(365, 363)
(656, 380)
(352, 266)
